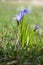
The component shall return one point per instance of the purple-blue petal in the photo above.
(37, 26)
(18, 18)
(25, 11)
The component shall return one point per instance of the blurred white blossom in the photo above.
(21, 8)
(29, 9)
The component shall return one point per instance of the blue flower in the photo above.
(36, 27)
(20, 16)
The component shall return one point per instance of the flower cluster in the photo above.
(20, 16)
